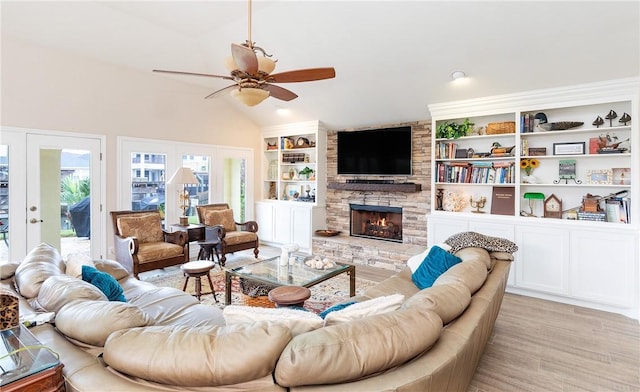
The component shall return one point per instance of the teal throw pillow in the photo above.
(105, 282)
(437, 262)
(325, 312)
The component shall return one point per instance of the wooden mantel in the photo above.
(400, 187)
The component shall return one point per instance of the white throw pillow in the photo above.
(75, 262)
(362, 309)
(298, 321)
(414, 261)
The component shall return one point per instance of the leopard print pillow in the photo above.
(470, 239)
(9, 309)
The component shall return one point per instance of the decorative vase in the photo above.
(530, 179)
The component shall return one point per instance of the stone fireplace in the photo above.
(408, 193)
(376, 222)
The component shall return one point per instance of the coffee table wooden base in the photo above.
(285, 296)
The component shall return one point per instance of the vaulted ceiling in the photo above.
(392, 58)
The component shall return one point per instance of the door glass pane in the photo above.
(235, 180)
(198, 193)
(147, 181)
(4, 202)
(64, 213)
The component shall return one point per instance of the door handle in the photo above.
(34, 220)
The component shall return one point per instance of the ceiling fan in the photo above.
(252, 77)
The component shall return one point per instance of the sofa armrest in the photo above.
(176, 237)
(251, 226)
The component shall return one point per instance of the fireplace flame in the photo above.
(382, 222)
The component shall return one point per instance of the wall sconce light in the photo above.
(458, 75)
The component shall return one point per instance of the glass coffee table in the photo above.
(270, 272)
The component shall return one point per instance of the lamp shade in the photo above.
(182, 176)
(250, 96)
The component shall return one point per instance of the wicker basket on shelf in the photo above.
(255, 294)
(496, 128)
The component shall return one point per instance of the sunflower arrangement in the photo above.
(529, 164)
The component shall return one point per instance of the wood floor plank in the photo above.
(545, 346)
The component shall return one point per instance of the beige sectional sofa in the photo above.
(162, 339)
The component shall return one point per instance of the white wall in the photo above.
(49, 89)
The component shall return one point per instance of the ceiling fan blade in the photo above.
(193, 74)
(280, 93)
(245, 58)
(303, 75)
(221, 91)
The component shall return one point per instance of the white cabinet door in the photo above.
(441, 228)
(543, 259)
(301, 224)
(282, 224)
(264, 217)
(603, 267)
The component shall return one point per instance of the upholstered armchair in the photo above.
(234, 236)
(142, 245)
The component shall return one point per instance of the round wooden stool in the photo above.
(197, 269)
(284, 296)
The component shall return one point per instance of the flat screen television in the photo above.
(385, 151)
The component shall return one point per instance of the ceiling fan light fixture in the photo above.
(250, 96)
(266, 65)
(230, 64)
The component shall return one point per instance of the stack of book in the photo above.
(618, 209)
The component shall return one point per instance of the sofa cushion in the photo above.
(370, 307)
(145, 227)
(240, 237)
(435, 264)
(111, 267)
(336, 307)
(40, 263)
(414, 261)
(471, 273)
(350, 351)
(59, 290)
(221, 217)
(448, 300)
(477, 240)
(103, 281)
(74, 263)
(468, 254)
(197, 357)
(298, 321)
(8, 268)
(91, 322)
(152, 251)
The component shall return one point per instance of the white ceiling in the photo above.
(392, 58)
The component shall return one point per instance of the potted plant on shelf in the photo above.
(307, 172)
(452, 130)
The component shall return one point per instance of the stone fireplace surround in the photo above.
(414, 201)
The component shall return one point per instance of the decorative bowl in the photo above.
(327, 233)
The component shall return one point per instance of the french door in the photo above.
(54, 192)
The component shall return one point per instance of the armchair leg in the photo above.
(256, 251)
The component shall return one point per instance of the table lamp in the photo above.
(183, 176)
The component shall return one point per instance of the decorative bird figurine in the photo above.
(598, 121)
(612, 114)
(625, 119)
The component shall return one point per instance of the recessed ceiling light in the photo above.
(458, 75)
(283, 111)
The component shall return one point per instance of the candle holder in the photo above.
(478, 204)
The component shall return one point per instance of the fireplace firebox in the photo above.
(376, 222)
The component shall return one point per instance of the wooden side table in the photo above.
(27, 365)
(285, 296)
(195, 232)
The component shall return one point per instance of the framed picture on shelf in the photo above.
(598, 177)
(567, 169)
(573, 148)
(621, 175)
